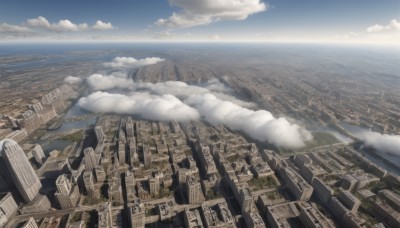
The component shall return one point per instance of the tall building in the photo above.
(100, 173)
(193, 190)
(90, 159)
(146, 157)
(129, 128)
(217, 215)
(137, 215)
(38, 154)
(105, 216)
(17, 135)
(40, 204)
(88, 180)
(192, 218)
(115, 191)
(245, 199)
(130, 185)
(98, 130)
(67, 194)
(31, 223)
(121, 152)
(154, 184)
(25, 178)
(30, 121)
(63, 184)
(206, 159)
(8, 207)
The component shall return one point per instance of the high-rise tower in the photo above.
(21, 171)
(90, 159)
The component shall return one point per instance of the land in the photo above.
(131, 172)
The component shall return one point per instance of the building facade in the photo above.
(25, 178)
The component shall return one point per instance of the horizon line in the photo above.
(331, 42)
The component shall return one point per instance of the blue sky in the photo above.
(272, 20)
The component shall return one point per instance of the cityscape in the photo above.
(161, 129)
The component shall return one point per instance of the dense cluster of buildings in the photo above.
(331, 100)
(38, 114)
(133, 173)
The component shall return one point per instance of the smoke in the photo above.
(382, 142)
(131, 63)
(260, 125)
(105, 82)
(72, 80)
(148, 106)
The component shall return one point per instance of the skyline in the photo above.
(202, 21)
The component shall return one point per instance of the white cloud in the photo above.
(105, 82)
(113, 37)
(60, 26)
(151, 107)
(183, 90)
(212, 100)
(7, 28)
(260, 125)
(164, 35)
(215, 37)
(39, 22)
(393, 25)
(194, 13)
(66, 25)
(382, 142)
(177, 88)
(102, 25)
(131, 63)
(72, 80)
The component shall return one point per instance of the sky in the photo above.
(360, 21)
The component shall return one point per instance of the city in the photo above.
(126, 171)
(199, 114)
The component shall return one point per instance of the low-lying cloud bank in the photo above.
(179, 89)
(260, 125)
(72, 80)
(176, 100)
(105, 82)
(131, 63)
(148, 106)
(382, 142)
(166, 106)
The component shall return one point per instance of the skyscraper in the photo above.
(154, 184)
(88, 180)
(38, 154)
(90, 159)
(146, 157)
(98, 130)
(137, 216)
(21, 171)
(193, 190)
(67, 194)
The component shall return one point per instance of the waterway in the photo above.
(73, 113)
(390, 162)
(387, 161)
(324, 128)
